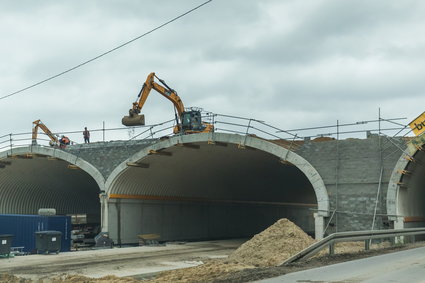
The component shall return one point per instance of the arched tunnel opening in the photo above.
(33, 181)
(202, 191)
(411, 192)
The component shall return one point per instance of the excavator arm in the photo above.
(134, 118)
(38, 124)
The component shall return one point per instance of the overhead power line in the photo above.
(105, 53)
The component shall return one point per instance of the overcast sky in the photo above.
(290, 63)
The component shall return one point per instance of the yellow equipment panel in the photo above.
(418, 125)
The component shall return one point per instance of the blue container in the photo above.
(23, 228)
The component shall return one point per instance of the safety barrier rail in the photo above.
(367, 235)
(222, 123)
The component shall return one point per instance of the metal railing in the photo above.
(222, 123)
(367, 235)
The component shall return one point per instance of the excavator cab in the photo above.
(192, 121)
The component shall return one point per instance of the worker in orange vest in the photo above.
(64, 141)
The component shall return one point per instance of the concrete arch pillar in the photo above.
(392, 193)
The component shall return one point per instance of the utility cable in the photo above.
(105, 53)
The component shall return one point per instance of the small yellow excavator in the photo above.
(38, 124)
(188, 122)
(54, 141)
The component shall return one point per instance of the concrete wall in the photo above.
(197, 220)
(106, 156)
(351, 171)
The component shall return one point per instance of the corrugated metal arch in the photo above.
(29, 184)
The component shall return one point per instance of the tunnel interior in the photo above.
(207, 191)
(411, 193)
(32, 181)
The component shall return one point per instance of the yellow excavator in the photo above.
(54, 141)
(38, 124)
(188, 121)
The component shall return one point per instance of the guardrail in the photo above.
(222, 123)
(367, 235)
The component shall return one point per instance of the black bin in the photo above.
(5, 244)
(48, 241)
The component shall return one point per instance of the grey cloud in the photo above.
(225, 57)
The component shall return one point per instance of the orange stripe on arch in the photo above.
(150, 197)
(175, 198)
(414, 219)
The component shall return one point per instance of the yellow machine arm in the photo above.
(39, 124)
(166, 91)
(134, 118)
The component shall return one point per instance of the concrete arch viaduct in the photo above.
(206, 186)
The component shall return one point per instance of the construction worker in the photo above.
(64, 141)
(86, 135)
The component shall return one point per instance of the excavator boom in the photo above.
(134, 119)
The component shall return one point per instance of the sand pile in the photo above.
(269, 248)
(274, 245)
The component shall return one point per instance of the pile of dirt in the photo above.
(273, 246)
(268, 248)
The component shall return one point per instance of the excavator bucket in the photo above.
(135, 120)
